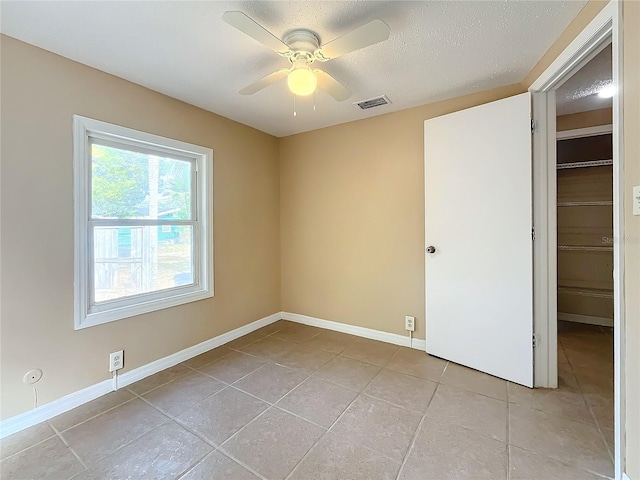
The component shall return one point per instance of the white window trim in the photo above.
(84, 314)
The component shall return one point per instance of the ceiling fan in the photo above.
(302, 48)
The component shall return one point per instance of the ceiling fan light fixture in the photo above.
(302, 81)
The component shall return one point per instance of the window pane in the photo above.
(133, 260)
(130, 184)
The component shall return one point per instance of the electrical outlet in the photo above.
(116, 361)
(410, 323)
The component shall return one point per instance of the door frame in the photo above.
(605, 28)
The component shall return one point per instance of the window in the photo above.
(143, 226)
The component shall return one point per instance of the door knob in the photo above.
(431, 249)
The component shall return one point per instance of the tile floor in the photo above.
(296, 402)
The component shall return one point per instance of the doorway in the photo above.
(602, 32)
(584, 232)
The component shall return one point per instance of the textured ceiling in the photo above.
(436, 50)
(580, 92)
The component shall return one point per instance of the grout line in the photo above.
(419, 429)
(332, 425)
(411, 445)
(73, 452)
(195, 464)
(33, 444)
(94, 416)
(240, 462)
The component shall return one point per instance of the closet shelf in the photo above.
(594, 163)
(586, 292)
(604, 203)
(584, 248)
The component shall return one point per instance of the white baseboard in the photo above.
(49, 410)
(144, 371)
(588, 319)
(394, 338)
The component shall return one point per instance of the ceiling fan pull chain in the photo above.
(295, 114)
(314, 100)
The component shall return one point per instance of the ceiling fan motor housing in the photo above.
(303, 44)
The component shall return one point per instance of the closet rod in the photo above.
(594, 163)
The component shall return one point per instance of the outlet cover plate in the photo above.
(116, 360)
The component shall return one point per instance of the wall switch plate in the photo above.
(410, 323)
(636, 200)
(116, 361)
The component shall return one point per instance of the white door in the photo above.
(478, 219)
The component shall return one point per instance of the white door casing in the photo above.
(478, 216)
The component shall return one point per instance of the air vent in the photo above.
(373, 102)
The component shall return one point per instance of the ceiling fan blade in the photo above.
(249, 27)
(333, 87)
(371, 33)
(264, 82)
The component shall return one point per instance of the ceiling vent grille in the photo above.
(373, 102)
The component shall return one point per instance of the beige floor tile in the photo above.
(302, 357)
(245, 340)
(24, 439)
(207, 357)
(91, 409)
(576, 443)
(334, 457)
(162, 453)
(334, 342)
(221, 415)
(274, 443)
(273, 327)
(318, 401)
(181, 394)
(86, 475)
(269, 348)
(103, 435)
(409, 392)
(602, 407)
(296, 332)
(526, 465)
(475, 381)
(566, 403)
(417, 363)
(609, 438)
(154, 381)
(348, 372)
(370, 351)
(443, 451)
(232, 367)
(378, 425)
(594, 381)
(50, 459)
(218, 466)
(520, 394)
(479, 413)
(271, 382)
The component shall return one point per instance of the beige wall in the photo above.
(592, 118)
(40, 93)
(351, 207)
(631, 96)
(352, 217)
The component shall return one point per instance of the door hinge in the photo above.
(533, 125)
(535, 340)
(533, 234)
